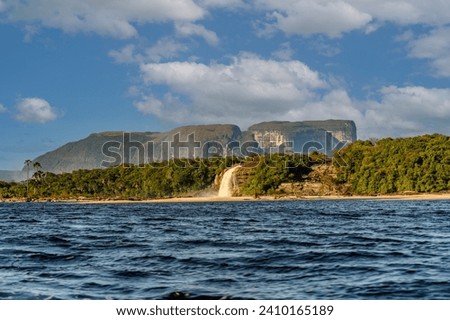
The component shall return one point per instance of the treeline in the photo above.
(158, 180)
(419, 164)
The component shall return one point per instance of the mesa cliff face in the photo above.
(105, 149)
(323, 136)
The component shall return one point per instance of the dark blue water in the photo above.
(258, 250)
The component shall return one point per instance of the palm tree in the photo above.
(28, 163)
(37, 166)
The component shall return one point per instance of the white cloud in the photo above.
(333, 18)
(248, 88)
(169, 108)
(35, 110)
(335, 104)
(407, 111)
(435, 47)
(188, 29)
(222, 3)
(2, 108)
(400, 111)
(106, 17)
(306, 17)
(150, 105)
(431, 12)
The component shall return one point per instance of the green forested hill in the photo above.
(420, 164)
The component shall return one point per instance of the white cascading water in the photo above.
(227, 184)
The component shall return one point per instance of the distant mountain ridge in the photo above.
(99, 149)
(11, 175)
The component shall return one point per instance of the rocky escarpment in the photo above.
(112, 148)
(323, 136)
(105, 149)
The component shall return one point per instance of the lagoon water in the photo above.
(252, 250)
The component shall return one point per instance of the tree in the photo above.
(28, 163)
(37, 166)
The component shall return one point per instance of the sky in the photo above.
(69, 68)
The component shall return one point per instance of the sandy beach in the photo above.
(396, 197)
(415, 197)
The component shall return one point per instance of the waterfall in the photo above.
(228, 183)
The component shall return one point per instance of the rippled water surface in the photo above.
(258, 250)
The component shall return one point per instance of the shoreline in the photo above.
(213, 199)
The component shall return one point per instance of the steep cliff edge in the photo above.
(324, 136)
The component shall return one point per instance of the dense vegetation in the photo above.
(269, 172)
(420, 164)
(158, 180)
(127, 182)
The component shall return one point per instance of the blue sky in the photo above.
(73, 67)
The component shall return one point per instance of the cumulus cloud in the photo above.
(435, 47)
(35, 110)
(334, 104)
(105, 17)
(304, 17)
(2, 108)
(150, 105)
(308, 17)
(431, 12)
(333, 18)
(408, 111)
(188, 29)
(248, 85)
(250, 89)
